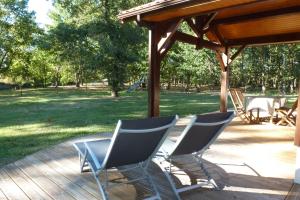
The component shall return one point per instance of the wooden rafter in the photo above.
(186, 38)
(167, 48)
(243, 18)
(166, 39)
(201, 23)
(239, 51)
(209, 20)
(268, 39)
(214, 30)
(196, 30)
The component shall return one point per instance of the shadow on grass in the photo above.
(80, 109)
(39, 118)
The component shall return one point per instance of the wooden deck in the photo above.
(248, 162)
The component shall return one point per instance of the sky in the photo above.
(41, 8)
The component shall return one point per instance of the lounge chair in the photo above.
(287, 115)
(133, 143)
(196, 138)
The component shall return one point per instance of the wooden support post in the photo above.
(154, 72)
(224, 90)
(224, 62)
(297, 140)
(297, 134)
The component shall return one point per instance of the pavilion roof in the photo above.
(234, 22)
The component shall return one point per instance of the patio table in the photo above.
(264, 105)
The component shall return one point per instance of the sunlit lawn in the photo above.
(42, 117)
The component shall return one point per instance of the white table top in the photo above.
(265, 104)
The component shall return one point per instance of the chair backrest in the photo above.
(136, 141)
(235, 99)
(294, 107)
(240, 96)
(202, 131)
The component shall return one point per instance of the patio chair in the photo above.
(237, 99)
(133, 143)
(196, 138)
(240, 96)
(287, 115)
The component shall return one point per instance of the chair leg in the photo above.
(82, 161)
(290, 122)
(209, 178)
(167, 171)
(280, 122)
(287, 120)
(101, 187)
(150, 180)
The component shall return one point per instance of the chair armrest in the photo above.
(282, 109)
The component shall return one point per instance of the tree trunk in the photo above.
(115, 93)
(21, 90)
(169, 85)
(44, 82)
(77, 79)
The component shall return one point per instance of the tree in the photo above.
(88, 31)
(17, 31)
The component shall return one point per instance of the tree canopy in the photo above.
(86, 43)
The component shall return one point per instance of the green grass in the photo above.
(42, 117)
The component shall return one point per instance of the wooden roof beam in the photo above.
(183, 37)
(251, 17)
(268, 39)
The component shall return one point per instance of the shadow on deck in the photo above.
(247, 162)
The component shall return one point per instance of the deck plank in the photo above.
(42, 180)
(71, 161)
(32, 190)
(65, 184)
(244, 161)
(69, 169)
(294, 193)
(62, 178)
(10, 188)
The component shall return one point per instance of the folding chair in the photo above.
(237, 99)
(240, 95)
(134, 142)
(196, 138)
(287, 115)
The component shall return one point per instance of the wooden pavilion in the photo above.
(219, 25)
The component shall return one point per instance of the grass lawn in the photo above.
(43, 117)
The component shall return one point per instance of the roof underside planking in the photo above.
(233, 22)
